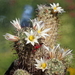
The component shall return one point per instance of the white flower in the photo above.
(40, 7)
(38, 26)
(35, 23)
(59, 52)
(56, 8)
(64, 53)
(42, 32)
(31, 37)
(53, 51)
(16, 23)
(41, 64)
(11, 37)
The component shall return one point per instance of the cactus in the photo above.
(21, 72)
(36, 46)
(51, 21)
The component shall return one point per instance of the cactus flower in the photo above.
(11, 37)
(16, 23)
(41, 64)
(56, 8)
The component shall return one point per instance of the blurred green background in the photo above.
(11, 9)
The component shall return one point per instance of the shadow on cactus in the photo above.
(36, 47)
